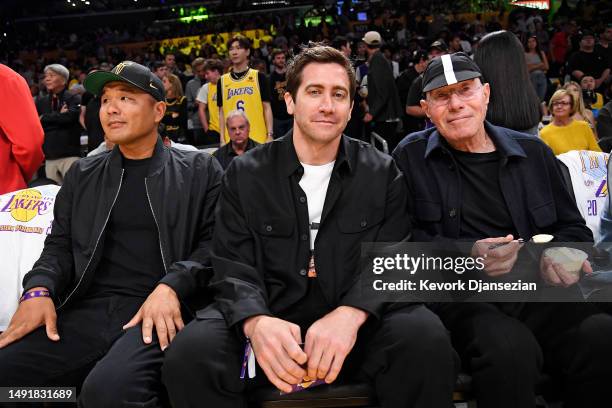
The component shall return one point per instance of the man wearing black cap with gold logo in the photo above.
(472, 181)
(129, 245)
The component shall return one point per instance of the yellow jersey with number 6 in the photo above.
(245, 95)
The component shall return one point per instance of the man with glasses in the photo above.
(472, 181)
(244, 89)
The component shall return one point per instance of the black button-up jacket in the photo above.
(261, 247)
(529, 176)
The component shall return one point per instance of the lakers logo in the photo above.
(26, 204)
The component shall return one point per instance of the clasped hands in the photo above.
(276, 344)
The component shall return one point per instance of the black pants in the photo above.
(111, 367)
(407, 356)
(506, 355)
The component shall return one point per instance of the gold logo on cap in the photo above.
(121, 66)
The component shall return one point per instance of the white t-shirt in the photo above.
(25, 222)
(314, 182)
(202, 96)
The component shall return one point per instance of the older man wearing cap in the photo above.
(129, 244)
(470, 180)
(589, 61)
(59, 114)
(383, 104)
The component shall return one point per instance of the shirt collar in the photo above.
(290, 163)
(505, 145)
(250, 144)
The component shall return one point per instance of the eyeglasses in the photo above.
(464, 93)
(561, 103)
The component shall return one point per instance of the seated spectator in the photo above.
(593, 100)
(589, 61)
(490, 184)
(175, 118)
(239, 129)
(59, 115)
(581, 112)
(21, 135)
(565, 133)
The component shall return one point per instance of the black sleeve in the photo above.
(239, 287)
(264, 87)
(219, 93)
(87, 96)
(415, 94)
(66, 118)
(604, 122)
(380, 84)
(185, 276)
(54, 269)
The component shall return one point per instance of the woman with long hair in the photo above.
(581, 112)
(537, 65)
(513, 102)
(565, 133)
(175, 118)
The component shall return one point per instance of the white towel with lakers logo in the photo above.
(589, 173)
(25, 221)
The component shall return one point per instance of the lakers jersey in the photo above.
(213, 109)
(245, 95)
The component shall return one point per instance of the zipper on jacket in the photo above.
(157, 225)
(97, 242)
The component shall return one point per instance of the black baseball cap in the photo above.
(448, 70)
(440, 45)
(586, 33)
(131, 73)
(418, 56)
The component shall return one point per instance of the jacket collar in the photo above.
(161, 154)
(505, 144)
(289, 162)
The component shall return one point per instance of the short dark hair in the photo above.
(157, 65)
(277, 51)
(213, 65)
(319, 54)
(243, 41)
(340, 41)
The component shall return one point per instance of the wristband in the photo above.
(33, 294)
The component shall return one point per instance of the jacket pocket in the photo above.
(544, 215)
(355, 223)
(427, 211)
(273, 226)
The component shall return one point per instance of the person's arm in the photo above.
(20, 124)
(269, 121)
(202, 107)
(413, 103)
(603, 78)
(82, 117)
(545, 66)
(221, 128)
(264, 87)
(415, 111)
(591, 137)
(72, 102)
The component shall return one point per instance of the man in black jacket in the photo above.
(59, 115)
(384, 107)
(471, 181)
(289, 225)
(129, 244)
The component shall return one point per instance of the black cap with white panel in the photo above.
(448, 70)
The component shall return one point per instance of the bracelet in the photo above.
(34, 294)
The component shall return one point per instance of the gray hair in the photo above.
(58, 69)
(237, 113)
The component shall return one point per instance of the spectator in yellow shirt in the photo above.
(565, 133)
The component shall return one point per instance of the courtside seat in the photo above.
(337, 396)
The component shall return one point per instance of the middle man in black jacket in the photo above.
(290, 220)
